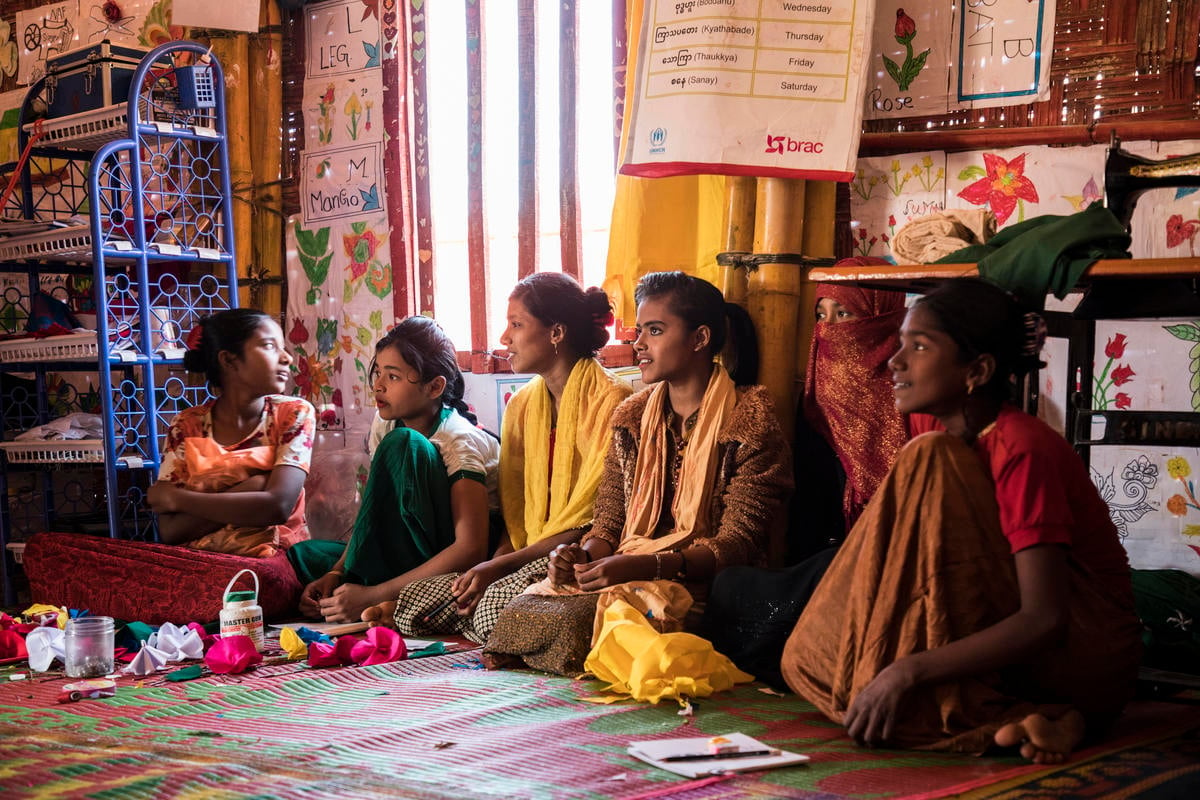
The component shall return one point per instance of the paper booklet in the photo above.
(699, 756)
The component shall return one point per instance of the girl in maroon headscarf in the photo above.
(848, 388)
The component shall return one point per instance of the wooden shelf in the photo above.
(922, 277)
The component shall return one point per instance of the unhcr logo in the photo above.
(658, 140)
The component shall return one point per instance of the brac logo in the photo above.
(786, 144)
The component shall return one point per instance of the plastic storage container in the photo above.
(88, 643)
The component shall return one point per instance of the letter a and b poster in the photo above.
(749, 87)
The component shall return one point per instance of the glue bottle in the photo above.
(241, 615)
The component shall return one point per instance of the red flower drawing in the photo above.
(360, 249)
(1179, 231)
(906, 27)
(1122, 375)
(299, 334)
(1115, 348)
(1122, 400)
(1002, 187)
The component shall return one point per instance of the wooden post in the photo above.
(234, 53)
(739, 234)
(265, 261)
(774, 289)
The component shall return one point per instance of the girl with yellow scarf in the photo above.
(696, 472)
(553, 439)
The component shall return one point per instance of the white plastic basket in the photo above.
(74, 241)
(87, 130)
(59, 451)
(71, 347)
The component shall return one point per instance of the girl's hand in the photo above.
(347, 602)
(161, 496)
(563, 560)
(611, 570)
(872, 714)
(315, 592)
(469, 587)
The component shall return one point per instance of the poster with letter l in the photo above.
(749, 87)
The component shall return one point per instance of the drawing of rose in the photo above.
(1122, 375)
(1113, 375)
(1115, 347)
(906, 31)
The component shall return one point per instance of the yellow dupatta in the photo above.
(691, 507)
(581, 442)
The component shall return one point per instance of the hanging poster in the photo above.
(929, 57)
(342, 37)
(44, 33)
(743, 87)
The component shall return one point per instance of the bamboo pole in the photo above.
(265, 261)
(773, 299)
(739, 234)
(820, 206)
(233, 51)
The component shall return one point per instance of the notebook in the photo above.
(693, 758)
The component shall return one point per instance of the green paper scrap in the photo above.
(435, 649)
(186, 673)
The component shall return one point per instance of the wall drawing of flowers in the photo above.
(1112, 378)
(1138, 477)
(1000, 185)
(1190, 332)
(904, 74)
(1180, 469)
(1180, 230)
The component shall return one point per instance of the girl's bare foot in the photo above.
(381, 614)
(1042, 740)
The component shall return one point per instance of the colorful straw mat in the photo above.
(439, 728)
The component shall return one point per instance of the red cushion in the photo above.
(151, 583)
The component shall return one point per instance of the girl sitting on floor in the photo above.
(426, 506)
(984, 594)
(233, 469)
(554, 437)
(230, 491)
(848, 400)
(696, 472)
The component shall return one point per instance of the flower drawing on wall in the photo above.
(1190, 332)
(313, 251)
(904, 74)
(1001, 185)
(865, 243)
(326, 111)
(314, 371)
(864, 186)
(1180, 231)
(1178, 504)
(1088, 195)
(1112, 378)
(362, 248)
(1138, 477)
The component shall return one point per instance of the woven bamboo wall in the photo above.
(1113, 60)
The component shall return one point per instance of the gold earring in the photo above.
(555, 347)
(970, 388)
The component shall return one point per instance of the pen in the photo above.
(428, 616)
(730, 754)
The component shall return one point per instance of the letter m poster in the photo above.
(749, 87)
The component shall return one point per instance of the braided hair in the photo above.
(426, 348)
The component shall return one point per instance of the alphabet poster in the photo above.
(932, 57)
(743, 87)
(50, 30)
(342, 38)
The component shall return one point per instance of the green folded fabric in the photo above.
(1047, 254)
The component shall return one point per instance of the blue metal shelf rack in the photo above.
(135, 198)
